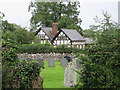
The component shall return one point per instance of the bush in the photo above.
(16, 73)
(36, 39)
(45, 48)
(25, 73)
(101, 66)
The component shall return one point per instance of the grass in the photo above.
(53, 76)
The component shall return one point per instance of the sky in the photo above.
(16, 11)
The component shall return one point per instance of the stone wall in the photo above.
(44, 56)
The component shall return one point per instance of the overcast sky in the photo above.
(16, 11)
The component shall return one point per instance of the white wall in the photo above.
(59, 41)
(41, 35)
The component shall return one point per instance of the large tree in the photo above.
(65, 14)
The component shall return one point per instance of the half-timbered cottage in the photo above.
(69, 37)
(56, 37)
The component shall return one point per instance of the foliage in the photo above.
(19, 35)
(26, 72)
(101, 61)
(9, 60)
(103, 23)
(65, 14)
(7, 68)
(23, 36)
(13, 69)
(65, 49)
(7, 26)
(15, 32)
(90, 33)
(34, 48)
(9, 48)
(16, 73)
(36, 39)
(45, 48)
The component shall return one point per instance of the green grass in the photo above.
(53, 76)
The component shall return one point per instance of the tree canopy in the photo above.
(15, 32)
(65, 14)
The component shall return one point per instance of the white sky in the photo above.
(16, 11)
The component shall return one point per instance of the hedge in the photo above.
(45, 48)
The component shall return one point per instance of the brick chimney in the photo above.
(54, 28)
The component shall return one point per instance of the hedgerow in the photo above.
(45, 48)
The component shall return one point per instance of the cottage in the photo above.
(69, 37)
(54, 36)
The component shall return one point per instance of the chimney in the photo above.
(54, 28)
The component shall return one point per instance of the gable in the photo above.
(42, 35)
(61, 38)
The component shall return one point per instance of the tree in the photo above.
(103, 23)
(12, 66)
(101, 61)
(65, 14)
(7, 26)
(16, 33)
(23, 36)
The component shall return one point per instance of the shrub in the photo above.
(101, 62)
(16, 73)
(25, 73)
(36, 39)
(45, 48)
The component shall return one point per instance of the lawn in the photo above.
(53, 76)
